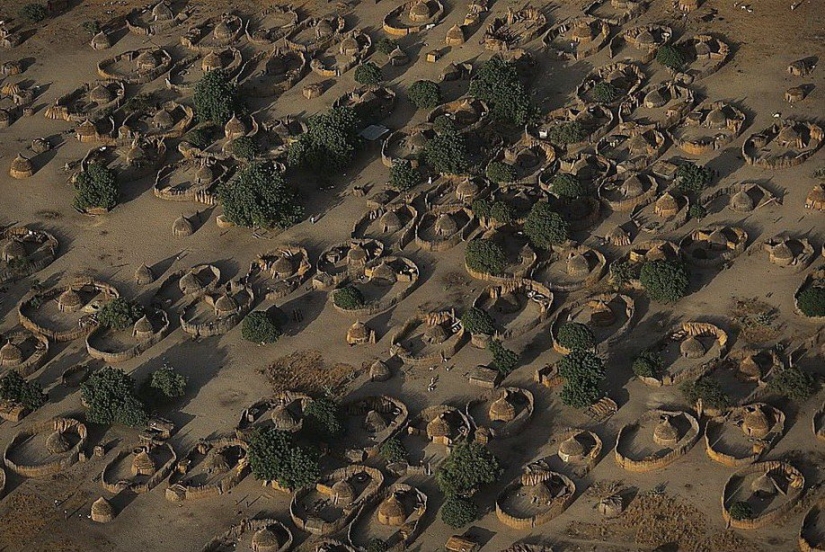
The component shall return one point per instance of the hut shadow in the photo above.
(229, 267)
(381, 324)
(40, 160)
(302, 310)
(27, 62)
(727, 163)
(480, 535)
(52, 373)
(135, 188)
(122, 500)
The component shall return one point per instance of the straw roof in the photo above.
(265, 540)
(455, 35)
(384, 272)
(741, 202)
(146, 60)
(10, 354)
(502, 409)
(716, 118)
(816, 198)
(162, 12)
(356, 255)
(764, 485)
(577, 265)
(182, 227)
(540, 493)
(21, 167)
(692, 348)
(466, 189)
(204, 174)
(781, 253)
(343, 493)
(375, 422)
(101, 41)
(283, 268)
(435, 334)
(666, 205)
(571, 449)
(283, 419)
(349, 46)
(358, 331)
(618, 237)
(438, 427)
(143, 464)
(379, 371)
(420, 12)
(234, 128)
(56, 443)
(582, 31)
(324, 28)
(638, 144)
(755, 422)
(143, 275)
(445, 225)
(69, 301)
(102, 511)
(391, 511)
(86, 129)
(225, 305)
(211, 62)
(13, 249)
(665, 433)
(189, 283)
(654, 98)
(222, 31)
(100, 94)
(143, 327)
(391, 221)
(633, 187)
(645, 38)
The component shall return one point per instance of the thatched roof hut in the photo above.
(211, 62)
(102, 511)
(379, 371)
(143, 464)
(101, 95)
(741, 202)
(445, 225)
(101, 41)
(666, 205)
(692, 348)
(182, 227)
(283, 419)
(225, 305)
(56, 443)
(755, 423)
(234, 128)
(502, 409)
(265, 540)
(69, 301)
(665, 433)
(143, 328)
(577, 265)
(438, 427)
(816, 198)
(390, 222)
(420, 12)
(571, 449)
(764, 486)
(10, 354)
(618, 237)
(455, 36)
(21, 167)
(343, 494)
(13, 250)
(143, 275)
(391, 512)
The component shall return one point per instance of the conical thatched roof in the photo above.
(211, 62)
(438, 427)
(654, 99)
(781, 253)
(265, 540)
(665, 433)
(455, 35)
(577, 265)
(816, 197)
(420, 12)
(502, 409)
(435, 334)
(283, 267)
(638, 144)
(391, 511)
(56, 443)
(222, 31)
(225, 305)
(101, 41)
(384, 272)
(146, 60)
(571, 449)
(666, 205)
(10, 354)
(162, 12)
(646, 38)
(143, 327)
(283, 419)
(717, 118)
(143, 464)
(755, 422)
(445, 225)
(343, 493)
(540, 493)
(100, 94)
(69, 301)
(633, 187)
(12, 250)
(102, 511)
(391, 221)
(234, 128)
(189, 283)
(582, 31)
(692, 348)
(349, 46)
(788, 135)
(379, 371)
(356, 255)
(182, 227)
(358, 331)
(21, 167)
(764, 485)
(204, 174)
(375, 422)
(466, 189)
(143, 275)
(618, 237)
(741, 202)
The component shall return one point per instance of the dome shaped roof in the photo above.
(100, 94)
(324, 28)
(667, 204)
(816, 197)
(162, 12)
(146, 60)
(420, 11)
(445, 225)
(618, 236)
(163, 119)
(582, 31)
(375, 422)
(358, 330)
(638, 144)
(189, 283)
(782, 252)
(391, 221)
(571, 449)
(384, 272)
(283, 419)
(466, 189)
(343, 493)
(204, 174)
(788, 135)
(349, 46)
(379, 371)
(764, 485)
(21, 165)
(502, 410)
(86, 128)
(69, 300)
(646, 38)
(223, 31)
(692, 348)
(741, 202)
(416, 141)
(755, 422)
(10, 354)
(540, 493)
(101, 41)
(143, 326)
(211, 61)
(391, 511)
(56, 443)
(182, 227)
(455, 34)
(143, 464)
(225, 305)
(12, 250)
(265, 540)
(234, 127)
(577, 265)
(701, 49)
(435, 334)
(283, 267)
(356, 255)
(654, 98)
(102, 510)
(438, 427)
(633, 187)
(135, 153)
(716, 118)
(665, 433)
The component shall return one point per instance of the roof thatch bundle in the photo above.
(618, 237)
(692, 348)
(182, 227)
(143, 275)
(225, 305)
(56, 443)
(391, 512)
(102, 511)
(265, 540)
(438, 427)
(741, 202)
(69, 301)
(577, 265)
(21, 167)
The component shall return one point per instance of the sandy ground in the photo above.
(224, 373)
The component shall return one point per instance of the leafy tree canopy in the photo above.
(497, 83)
(14, 388)
(583, 373)
(544, 227)
(447, 153)
(478, 321)
(119, 314)
(666, 281)
(216, 98)
(691, 177)
(468, 467)
(424, 94)
(793, 383)
(671, 57)
(403, 176)
(568, 186)
(274, 456)
(392, 450)
(110, 396)
(567, 133)
(499, 172)
(168, 382)
(368, 73)
(604, 92)
(349, 298)
(709, 390)
(245, 147)
(504, 360)
(458, 511)
(258, 196)
(811, 301)
(330, 143)
(259, 327)
(573, 335)
(96, 187)
(322, 418)
(648, 364)
(485, 256)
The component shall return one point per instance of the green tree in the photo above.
(499, 172)
(707, 389)
(648, 364)
(502, 212)
(424, 94)
(544, 227)
(666, 281)
(623, 272)
(322, 418)
(274, 456)
(604, 92)
(368, 73)
(481, 208)
(259, 196)
(447, 153)
(504, 360)
(478, 321)
(567, 133)
(168, 382)
(568, 186)
(245, 147)
(741, 510)
(691, 177)
(573, 336)
(96, 187)
(671, 57)
(485, 256)
(497, 82)
(458, 511)
(386, 46)
(348, 298)
(403, 175)
(811, 301)
(33, 13)
(259, 327)
(392, 451)
(377, 545)
(119, 314)
(697, 212)
(444, 125)
(216, 98)
(583, 373)
(469, 466)
(92, 26)
(793, 383)
(330, 142)
(201, 136)
(14, 388)
(110, 396)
